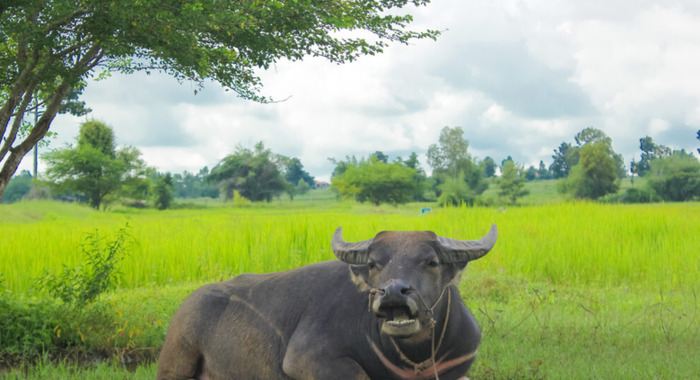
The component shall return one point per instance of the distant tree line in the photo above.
(588, 168)
(95, 171)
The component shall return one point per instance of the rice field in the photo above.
(650, 246)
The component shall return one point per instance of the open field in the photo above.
(571, 243)
(571, 290)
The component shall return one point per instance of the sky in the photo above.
(519, 77)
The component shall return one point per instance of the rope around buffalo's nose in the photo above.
(420, 367)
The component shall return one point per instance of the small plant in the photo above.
(83, 284)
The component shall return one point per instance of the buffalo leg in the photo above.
(305, 367)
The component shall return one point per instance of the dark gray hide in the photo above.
(389, 310)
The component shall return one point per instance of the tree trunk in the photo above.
(91, 58)
(38, 132)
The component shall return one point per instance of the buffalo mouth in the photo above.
(399, 321)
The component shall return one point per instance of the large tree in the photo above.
(48, 49)
(594, 176)
(560, 166)
(450, 157)
(378, 182)
(450, 152)
(94, 168)
(568, 156)
(255, 174)
(650, 152)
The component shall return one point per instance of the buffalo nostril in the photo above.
(396, 287)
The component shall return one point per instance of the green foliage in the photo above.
(633, 195)
(455, 191)
(48, 49)
(240, 201)
(19, 186)
(377, 182)
(568, 156)
(560, 166)
(451, 159)
(99, 136)
(542, 172)
(650, 152)
(295, 175)
(302, 187)
(83, 284)
(26, 328)
(592, 136)
(254, 173)
(511, 183)
(675, 178)
(294, 172)
(164, 192)
(189, 185)
(94, 168)
(451, 152)
(488, 166)
(594, 176)
(129, 326)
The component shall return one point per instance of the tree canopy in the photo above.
(450, 158)
(650, 152)
(48, 49)
(511, 184)
(94, 168)
(450, 152)
(595, 175)
(255, 174)
(377, 182)
(676, 177)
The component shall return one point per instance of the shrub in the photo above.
(676, 178)
(456, 191)
(84, 283)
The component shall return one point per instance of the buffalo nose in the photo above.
(396, 287)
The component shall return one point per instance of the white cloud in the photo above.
(519, 76)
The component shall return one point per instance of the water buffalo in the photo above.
(387, 309)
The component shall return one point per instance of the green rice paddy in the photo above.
(568, 243)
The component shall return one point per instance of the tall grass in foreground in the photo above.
(574, 243)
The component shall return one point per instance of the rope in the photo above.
(422, 366)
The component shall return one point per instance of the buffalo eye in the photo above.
(433, 263)
(372, 265)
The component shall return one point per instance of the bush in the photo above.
(164, 192)
(84, 283)
(455, 191)
(26, 326)
(18, 187)
(633, 195)
(676, 178)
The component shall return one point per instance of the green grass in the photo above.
(531, 330)
(537, 330)
(571, 243)
(571, 290)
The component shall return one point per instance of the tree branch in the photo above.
(15, 94)
(17, 122)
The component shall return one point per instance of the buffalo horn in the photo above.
(355, 253)
(460, 251)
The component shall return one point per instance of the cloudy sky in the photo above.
(520, 78)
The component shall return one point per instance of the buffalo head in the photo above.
(407, 272)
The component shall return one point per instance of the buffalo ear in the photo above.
(452, 273)
(359, 274)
